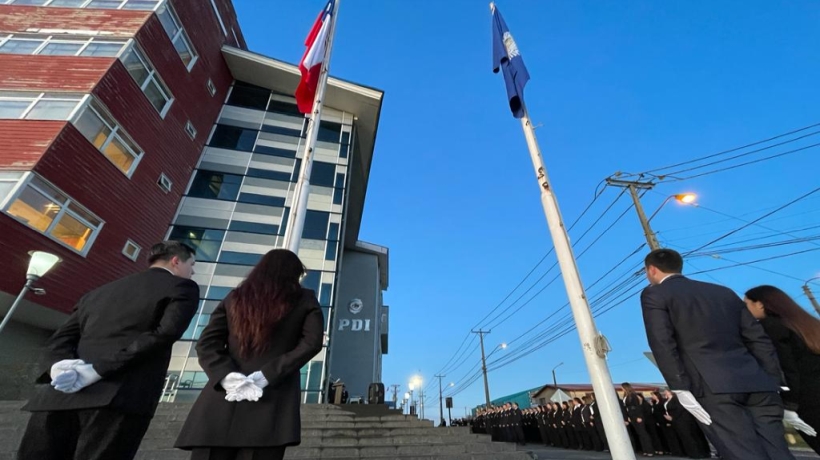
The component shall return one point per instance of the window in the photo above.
(205, 241)
(164, 183)
(211, 87)
(315, 225)
(8, 181)
(48, 210)
(329, 131)
(147, 79)
(215, 185)
(131, 250)
(38, 106)
(189, 128)
(250, 96)
(110, 139)
(173, 27)
(147, 5)
(322, 174)
(62, 45)
(232, 137)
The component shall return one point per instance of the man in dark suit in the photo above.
(716, 358)
(109, 361)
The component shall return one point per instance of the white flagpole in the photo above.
(591, 340)
(298, 208)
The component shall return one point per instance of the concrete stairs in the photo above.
(348, 432)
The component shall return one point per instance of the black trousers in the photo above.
(227, 453)
(747, 426)
(91, 434)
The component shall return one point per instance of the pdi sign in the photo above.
(355, 325)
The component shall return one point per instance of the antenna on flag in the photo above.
(320, 40)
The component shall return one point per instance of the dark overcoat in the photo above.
(274, 420)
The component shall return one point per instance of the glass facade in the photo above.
(237, 207)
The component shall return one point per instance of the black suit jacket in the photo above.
(801, 366)
(126, 330)
(702, 333)
(274, 420)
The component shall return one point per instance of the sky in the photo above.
(615, 87)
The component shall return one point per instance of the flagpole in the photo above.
(591, 340)
(298, 208)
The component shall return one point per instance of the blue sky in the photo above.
(615, 86)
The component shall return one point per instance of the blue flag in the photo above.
(507, 58)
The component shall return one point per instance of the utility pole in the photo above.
(395, 393)
(633, 186)
(440, 405)
(484, 366)
(810, 294)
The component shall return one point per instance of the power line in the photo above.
(753, 222)
(733, 149)
(748, 162)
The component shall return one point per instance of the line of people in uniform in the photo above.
(657, 425)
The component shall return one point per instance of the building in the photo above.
(123, 122)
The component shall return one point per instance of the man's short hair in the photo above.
(665, 260)
(167, 250)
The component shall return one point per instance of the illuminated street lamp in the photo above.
(39, 264)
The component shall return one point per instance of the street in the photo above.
(550, 453)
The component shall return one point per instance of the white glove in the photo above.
(688, 401)
(232, 381)
(64, 366)
(239, 387)
(86, 375)
(65, 381)
(259, 379)
(791, 419)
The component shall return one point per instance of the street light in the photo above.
(651, 238)
(39, 264)
(810, 294)
(554, 380)
(500, 346)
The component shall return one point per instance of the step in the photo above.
(184, 455)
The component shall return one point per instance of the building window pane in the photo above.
(13, 108)
(8, 180)
(286, 108)
(247, 95)
(61, 49)
(105, 4)
(206, 241)
(30, 2)
(135, 67)
(155, 95)
(93, 128)
(109, 138)
(146, 5)
(333, 232)
(52, 110)
(239, 258)
(330, 251)
(14, 46)
(329, 131)
(311, 280)
(119, 154)
(34, 209)
(322, 174)
(184, 49)
(69, 3)
(215, 185)
(315, 225)
(102, 49)
(72, 232)
(231, 137)
(168, 22)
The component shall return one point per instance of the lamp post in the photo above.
(651, 238)
(810, 294)
(633, 186)
(39, 264)
(405, 403)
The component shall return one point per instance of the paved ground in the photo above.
(549, 453)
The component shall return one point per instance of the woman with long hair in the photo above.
(256, 342)
(796, 337)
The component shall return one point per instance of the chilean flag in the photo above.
(311, 63)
